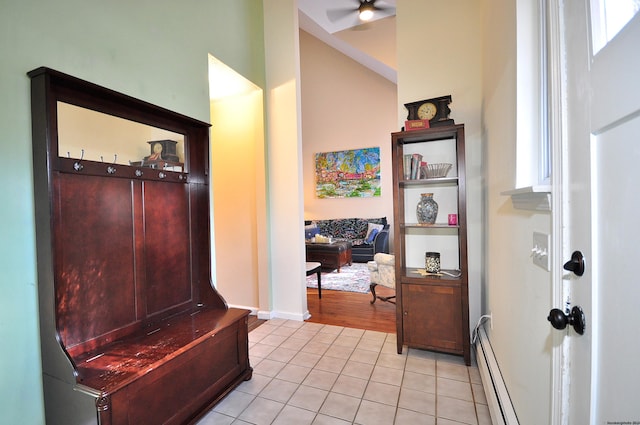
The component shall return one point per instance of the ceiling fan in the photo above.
(364, 11)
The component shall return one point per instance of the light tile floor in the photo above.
(314, 374)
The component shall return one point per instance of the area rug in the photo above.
(353, 278)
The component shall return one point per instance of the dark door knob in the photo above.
(575, 318)
(576, 264)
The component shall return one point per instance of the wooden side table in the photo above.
(312, 268)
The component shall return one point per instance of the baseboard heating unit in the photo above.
(500, 406)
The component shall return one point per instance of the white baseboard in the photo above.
(500, 406)
(267, 315)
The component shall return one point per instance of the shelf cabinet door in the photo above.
(433, 317)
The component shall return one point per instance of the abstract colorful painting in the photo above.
(348, 174)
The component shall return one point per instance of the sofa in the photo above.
(368, 236)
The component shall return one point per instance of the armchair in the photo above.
(382, 272)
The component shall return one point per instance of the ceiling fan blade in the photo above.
(390, 9)
(337, 14)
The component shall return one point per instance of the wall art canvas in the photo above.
(348, 174)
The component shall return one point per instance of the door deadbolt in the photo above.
(575, 318)
(576, 264)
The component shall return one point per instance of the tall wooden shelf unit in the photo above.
(432, 311)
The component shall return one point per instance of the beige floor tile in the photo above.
(305, 359)
(269, 368)
(329, 420)
(409, 417)
(331, 329)
(293, 373)
(451, 358)
(364, 356)
(276, 322)
(478, 394)
(314, 374)
(338, 351)
(261, 350)
(349, 385)
(371, 413)
(484, 417)
(308, 398)
(390, 347)
(353, 332)
(234, 403)
(261, 411)
(215, 418)
(291, 415)
(421, 365)
(357, 369)
(347, 341)
(370, 344)
(340, 406)
(382, 393)
(474, 375)
(326, 338)
(304, 334)
(456, 410)
(387, 375)
(320, 379)
(279, 390)
(316, 347)
(417, 401)
(452, 371)
(330, 364)
(423, 354)
(274, 340)
(382, 336)
(255, 384)
(282, 331)
(455, 389)
(294, 343)
(281, 354)
(392, 361)
(419, 382)
(311, 326)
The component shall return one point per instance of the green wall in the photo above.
(153, 50)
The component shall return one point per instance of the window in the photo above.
(533, 164)
(608, 17)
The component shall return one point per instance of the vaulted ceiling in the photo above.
(372, 44)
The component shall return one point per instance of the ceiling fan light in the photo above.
(365, 11)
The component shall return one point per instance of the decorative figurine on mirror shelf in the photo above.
(163, 156)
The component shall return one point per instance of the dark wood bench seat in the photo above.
(172, 372)
(118, 364)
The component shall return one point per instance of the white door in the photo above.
(601, 202)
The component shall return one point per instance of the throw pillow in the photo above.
(372, 226)
(372, 236)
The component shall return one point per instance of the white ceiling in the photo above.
(371, 44)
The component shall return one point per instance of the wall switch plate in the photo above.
(540, 251)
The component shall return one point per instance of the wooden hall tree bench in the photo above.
(132, 331)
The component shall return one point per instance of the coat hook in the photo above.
(77, 165)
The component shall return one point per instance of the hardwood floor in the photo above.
(353, 310)
(349, 309)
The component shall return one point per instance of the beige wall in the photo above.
(238, 201)
(344, 106)
(154, 51)
(439, 53)
(288, 295)
(517, 293)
